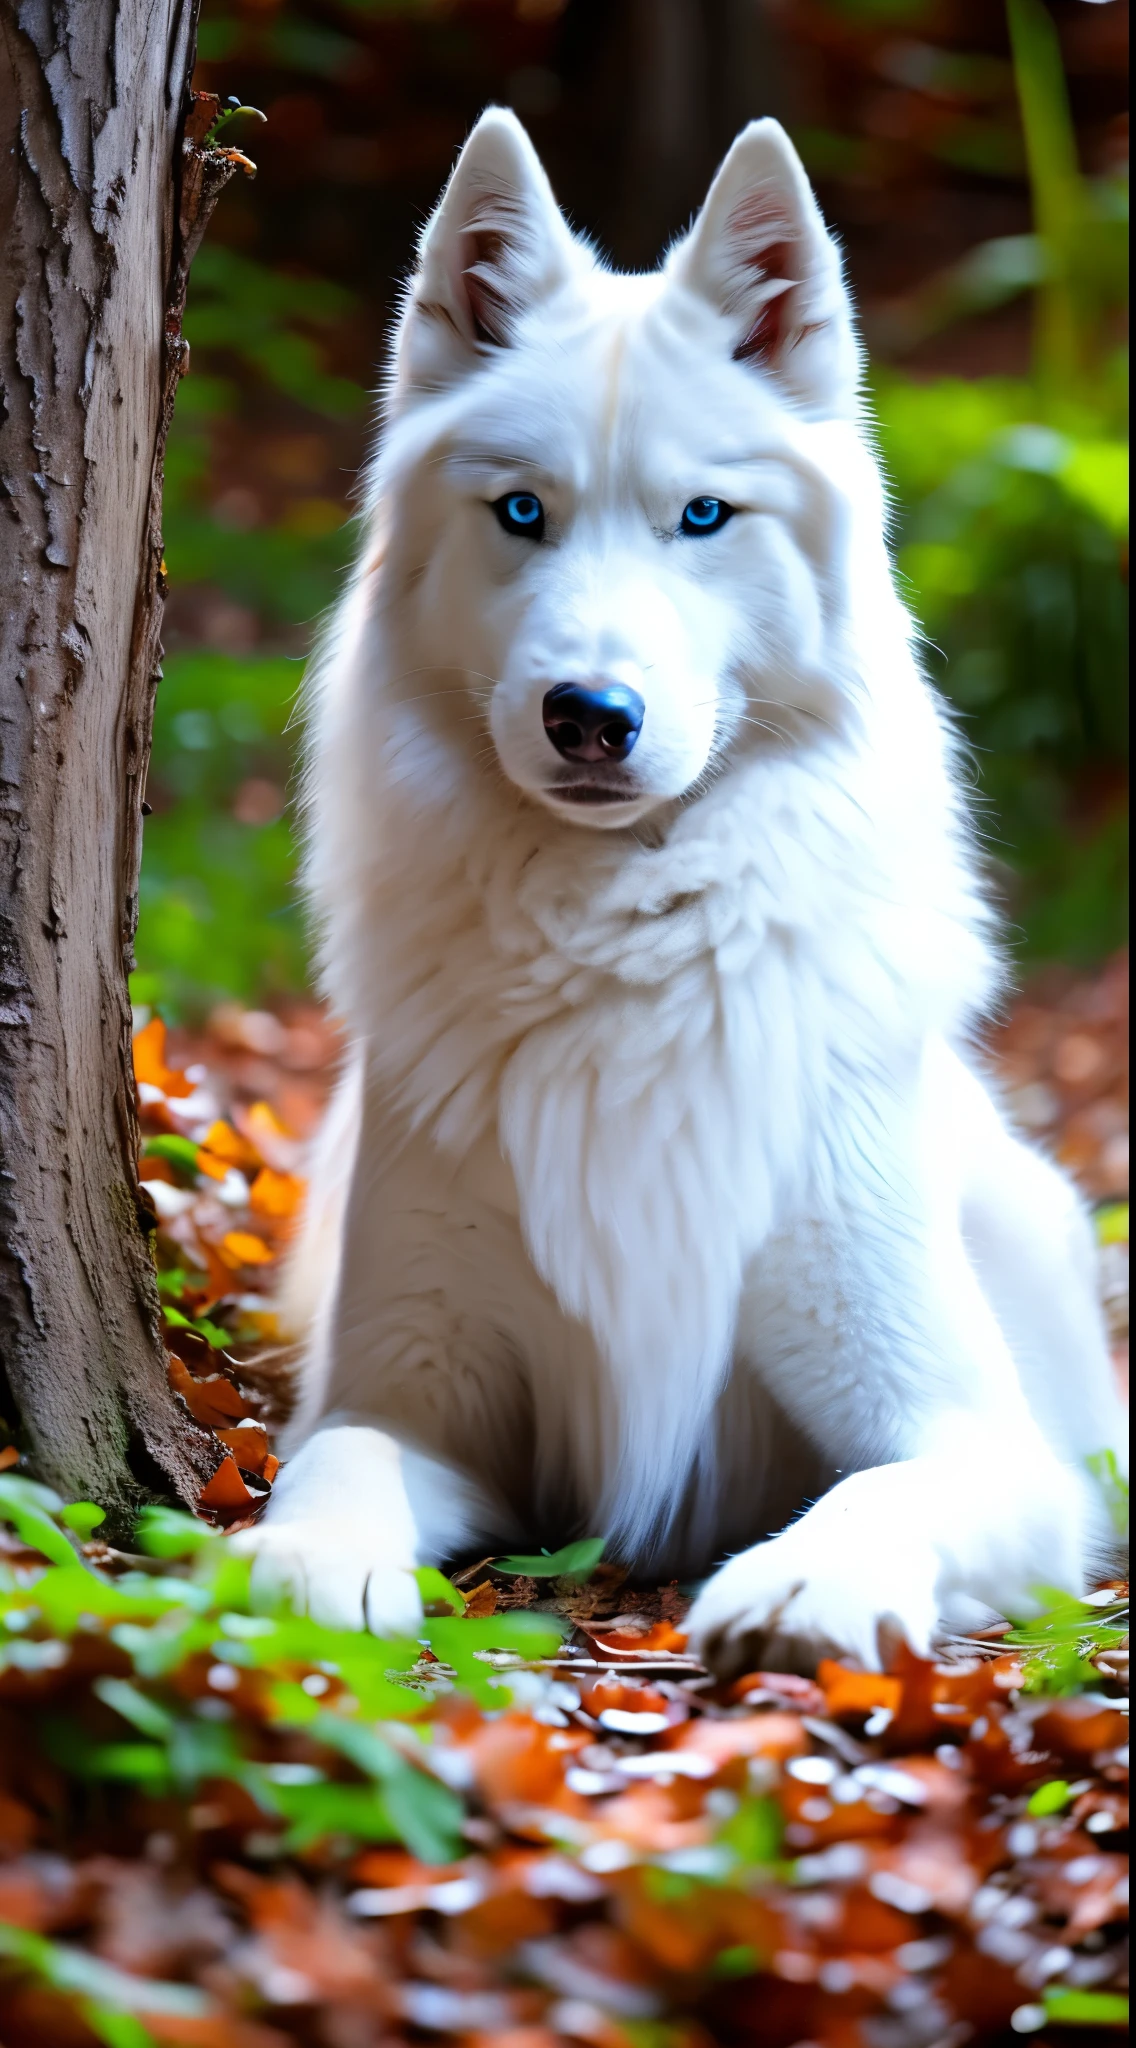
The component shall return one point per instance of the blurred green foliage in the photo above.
(217, 900)
(1011, 537)
(1010, 523)
(1012, 532)
(219, 915)
(188, 1596)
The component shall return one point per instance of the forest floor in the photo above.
(543, 1823)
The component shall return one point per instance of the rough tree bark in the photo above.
(104, 191)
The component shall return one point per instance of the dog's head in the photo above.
(616, 509)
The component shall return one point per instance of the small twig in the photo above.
(470, 1571)
(647, 1661)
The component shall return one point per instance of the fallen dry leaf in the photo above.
(911, 1894)
(279, 1195)
(226, 1493)
(242, 1248)
(214, 1401)
(150, 1061)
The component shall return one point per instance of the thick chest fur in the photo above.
(657, 1069)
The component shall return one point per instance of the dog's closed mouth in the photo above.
(591, 793)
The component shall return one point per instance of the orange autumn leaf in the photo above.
(208, 1163)
(660, 1636)
(241, 1248)
(379, 1867)
(515, 1757)
(615, 1693)
(226, 1492)
(150, 1061)
(217, 1272)
(857, 1692)
(770, 1734)
(216, 1402)
(227, 1144)
(249, 1445)
(278, 1195)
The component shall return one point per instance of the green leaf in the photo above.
(1112, 1223)
(200, 1325)
(290, 1706)
(231, 113)
(754, 1834)
(136, 1707)
(1096, 473)
(437, 1594)
(205, 1749)
(740, 1961)
(1052, 1797)
(316, 1811)
(173, 1283)
(30, 1507)
(155, 1652)
(575, 1561)
(176, 1151)
(66, 1595)
(83, 1516)
(361, 1745)
(116, 2029)
(76, 1970)
(166, 1532)
(464, 1643)
(142, 1763)
(368, 1667)
(1069, 2008)
(426, 1814)
(1062, 1638)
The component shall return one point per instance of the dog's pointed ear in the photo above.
(496, 245)
(761, 254)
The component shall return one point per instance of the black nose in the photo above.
(587, 724)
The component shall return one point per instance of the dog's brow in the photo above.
(479, 455)
(751, 460)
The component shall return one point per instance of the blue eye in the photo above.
(521, 512)
(705, 515)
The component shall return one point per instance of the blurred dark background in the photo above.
(973, 158)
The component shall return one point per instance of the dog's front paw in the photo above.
(785, 1604)
(333, 1572)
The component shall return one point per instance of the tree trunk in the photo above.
(101, 204)
(697, 71)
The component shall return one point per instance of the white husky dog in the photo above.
(661, 1197)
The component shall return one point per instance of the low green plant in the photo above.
(575, 1561)
(1064, 1639)
(108, 1999)
(365, 1774)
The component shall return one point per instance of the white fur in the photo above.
(677, 1200)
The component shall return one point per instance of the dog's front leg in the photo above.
(877, 1339)
(351, 1516)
